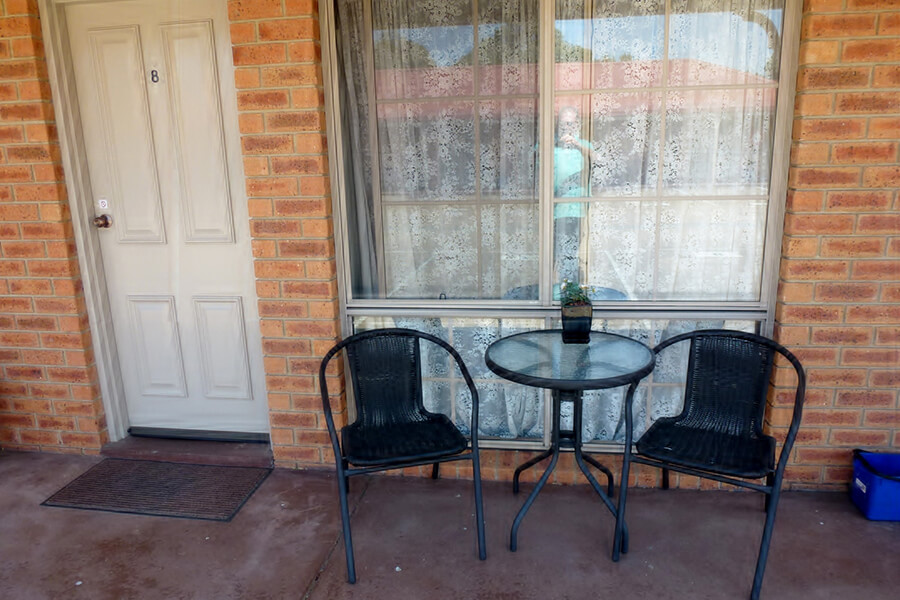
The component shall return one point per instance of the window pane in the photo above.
(454, 213)
(506, 410)
(716, 42)
(668, 250)
(719, 142)
(420, 50)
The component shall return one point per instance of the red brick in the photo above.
(258, 54)
(326, 329)
(886, 76)
(846, 292)
(889, 379)
(295, 121)
(836, 377)
(866, 437)
(240, 10)
(885, 127)
(826, 456)
(243, 33)
(877, 270)
(873, 314)
(889, 24)
(272, 186)
(274, 228)
(831, 417)
(312, 289)
(810, 154)
(304, 248)
(858, 200)
(795, 292)
(888, 336)
(881, 177)
(852, 247)
(879, 224)
(866, 398)
(830, 78)
(288, 29)
(265, 99)
(825, 177)
(840, 25)
(882, 418)
(865, 153)
(830, 129)
(871, 357)
(267, 144)
(883, 50)
(302, 208)
(867, 102)
(818, 52)
(814, 270)
(40, 438)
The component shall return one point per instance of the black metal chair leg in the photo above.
(345, 522)
(610, 481)
(665, 479)
(435, 470)
(527, 465)
(770, 482)
(479, 508)
(766, 539)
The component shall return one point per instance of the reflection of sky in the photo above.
(720, 38)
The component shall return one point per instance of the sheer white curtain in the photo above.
(681, 134)
(455, 116)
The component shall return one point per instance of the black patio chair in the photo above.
(392, 429)
(719, 433)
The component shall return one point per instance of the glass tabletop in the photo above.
(541, 359)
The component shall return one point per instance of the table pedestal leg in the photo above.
(527, 465)
(554, 453)
(620, 539)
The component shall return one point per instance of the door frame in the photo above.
(61, 74)
(87, 241)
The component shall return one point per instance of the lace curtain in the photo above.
(453, 106)
(666, 174)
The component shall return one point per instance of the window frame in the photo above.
(761, 311)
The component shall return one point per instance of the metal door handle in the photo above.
(102, 222)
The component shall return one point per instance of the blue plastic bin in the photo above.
(875, 488)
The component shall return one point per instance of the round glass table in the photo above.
(541, 359)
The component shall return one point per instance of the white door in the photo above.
(156, 91)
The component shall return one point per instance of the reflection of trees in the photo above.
(566, 52)
(401, 53)
(505, 45)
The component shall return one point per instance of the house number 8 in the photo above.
(154, 76)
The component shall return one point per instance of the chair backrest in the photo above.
(727, 382)
(385, 371)
(386, 375)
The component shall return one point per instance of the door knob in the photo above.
(102, 222)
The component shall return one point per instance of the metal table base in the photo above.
(574, 440)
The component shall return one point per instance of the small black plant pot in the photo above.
(576, 323)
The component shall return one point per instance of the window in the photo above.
(631, 150)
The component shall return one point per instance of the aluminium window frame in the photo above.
(761, 311)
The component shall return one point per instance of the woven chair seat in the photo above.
(740, 456)
(376, 445)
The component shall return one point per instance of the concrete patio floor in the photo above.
(414, 539)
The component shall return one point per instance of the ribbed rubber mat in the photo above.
(164, 489)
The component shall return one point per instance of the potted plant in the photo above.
(577, 312)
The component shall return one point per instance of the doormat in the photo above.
(146, 487)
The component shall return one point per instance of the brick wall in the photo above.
(839, 291)
(277, 59)
(49, 398)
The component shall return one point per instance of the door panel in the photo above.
(126, 147)
(156, 92)
(190, 60)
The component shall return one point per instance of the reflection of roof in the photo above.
(432, 82)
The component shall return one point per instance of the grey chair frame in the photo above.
(344, 468)
(772, 486)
